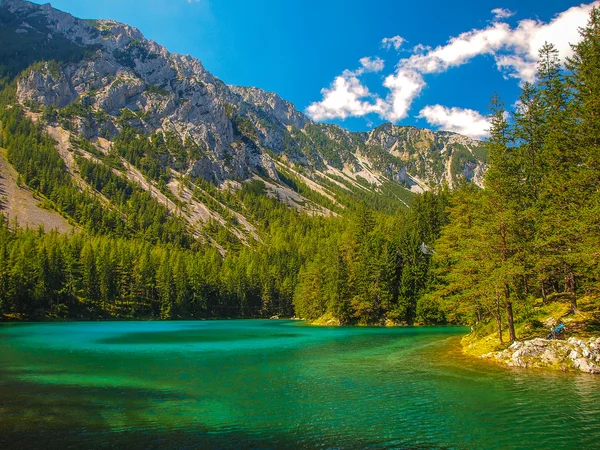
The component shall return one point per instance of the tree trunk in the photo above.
(499, 326)
(544, 292)
(509, 311)
(570, 288)
(511, 325)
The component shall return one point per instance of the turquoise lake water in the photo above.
(277, 384)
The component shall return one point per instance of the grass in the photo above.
(533, 320)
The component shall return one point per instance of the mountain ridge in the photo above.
(207, 130)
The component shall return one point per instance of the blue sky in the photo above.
(309, 52)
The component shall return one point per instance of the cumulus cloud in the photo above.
(372, 64)
(420, 48)
(513, 49)
(515, 66)
(463, 121)
(502, 13)
(459, 50)
(395, 41)
(405, 86)
(346, 97)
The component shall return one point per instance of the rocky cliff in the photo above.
(108, 94)
(242, 129)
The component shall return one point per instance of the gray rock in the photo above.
(516, 345)
(564, 355)
(46, 88)
(235, 126)
(585, 365)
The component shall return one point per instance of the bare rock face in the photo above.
(431, 155)
(45, 88)
(119, 95)
(125, 78)
(282, 110)
(207, 169)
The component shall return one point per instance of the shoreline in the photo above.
(134, 319)
(569, 355)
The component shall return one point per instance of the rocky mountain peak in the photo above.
(281, 109)
(21, 5)
(120, 79)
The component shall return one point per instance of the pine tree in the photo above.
(462, 262)
(165, 286)
(556, 206)
(584, 183)
(90, 277)
(503, 194)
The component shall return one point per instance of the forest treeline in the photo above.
(99, 276)
(535, 228)
(466, 256)
(129, 256)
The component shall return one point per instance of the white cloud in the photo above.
(502, 13)
(420, 48)
(526, 40)
(395, 41)
(514, 50)
(346, 97)
(463, 121)
(372, 64)
(515, 66)
(459, 50)
(405, 86)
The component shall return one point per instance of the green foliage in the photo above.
(386, 199)
(229, 109)
(134, 50)
(93, 277)
(145, 216)
(148, 154)
(535, 229)
(377, 269)
(154, 89)
(33, 154)
(76, 110)
(133, 212)
(334, 152)
(244, 127)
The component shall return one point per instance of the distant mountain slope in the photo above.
(173, 126)
(18, 203)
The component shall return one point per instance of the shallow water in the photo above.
(276, 384)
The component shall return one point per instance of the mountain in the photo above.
(190, 198)
(96, 85)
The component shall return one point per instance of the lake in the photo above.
(276, 384)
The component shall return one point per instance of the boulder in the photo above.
(585, 365)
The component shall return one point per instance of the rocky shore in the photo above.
(569, 355)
